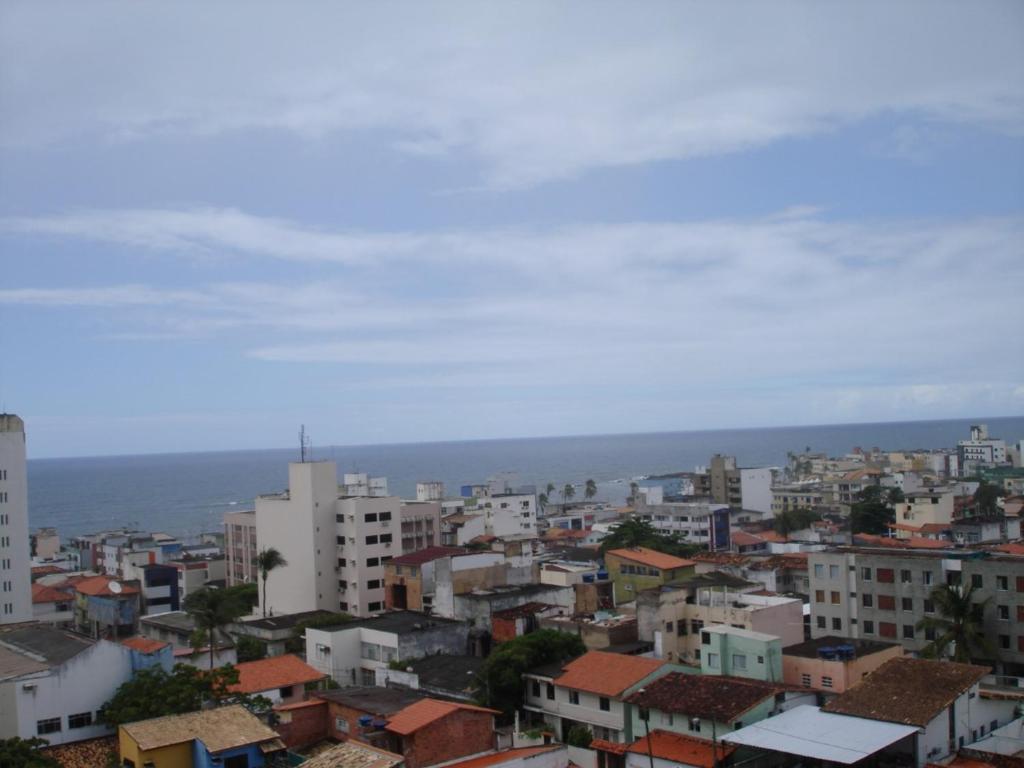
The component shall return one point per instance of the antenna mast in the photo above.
(304, 444)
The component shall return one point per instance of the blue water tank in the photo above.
(588, 578)
(602, 575)
(365, 720)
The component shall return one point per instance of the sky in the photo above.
(400, 221)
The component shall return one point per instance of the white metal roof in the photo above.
(808, 732)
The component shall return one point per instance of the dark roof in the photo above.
(524, 590)
(53, 645)
(809, 649)
(711, 579)
(517, 611)
(176, 621)
(907, 690)
(371, 699)
(448, 673)
(428, 555)
(551, 670)
(722, 699)
(287, 620)
(399, 622)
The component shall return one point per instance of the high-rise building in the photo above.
(240, 547)
(15, 559)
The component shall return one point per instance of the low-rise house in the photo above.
(53, 683)
(352, 652)
(274, 632)
(928, 505)
(281, 679)
(442, 675)
(409, 579)
(638, 568)
(105, 607)
(479, 606)
(160, 592)
(832, 664)
(227, 736)
(993, 529)
(53, 605)
(432, 731)
(940, 698)
(148, 653)
(732, 651)
(665, 749)
(177, 628)
(510, 623)
(597, 631)
(589, 691)
(352, 754)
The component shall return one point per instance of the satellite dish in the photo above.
(115, 587)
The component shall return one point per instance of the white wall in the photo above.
(756, 488)
(15, 551)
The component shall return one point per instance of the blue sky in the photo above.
(417, 222)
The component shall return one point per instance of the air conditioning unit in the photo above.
(28, 686)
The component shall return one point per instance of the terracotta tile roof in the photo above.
(614, 747)
(43, 570)
(354, 754)
(426, 711)
(99, 586)
(91, 753)
(44, 594)
(744, 539)
(566, 533)
(1011, 549)
(428, 555)
(914, 542)
(677, 748)
(506, 756)
(606, 674)
(143, 644)
(793, 560)
(300, 705)
(721, 558)
(722, 699)
(219, 729)
(772, 536)
(274, 672)
(907, 690)
(650, 557)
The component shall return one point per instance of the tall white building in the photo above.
(15, 556)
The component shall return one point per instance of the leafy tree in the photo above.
(958, 626)
(874, 511)
(214, 609)
(268, 560)
(637, 532)
(986, 498)
(25, 753)
(501, 683)
(590, 491)
(249, 648)
(155, 692)
(579, 736)
(790, 520)
(543, 499)
(247, 595)
(567, 493)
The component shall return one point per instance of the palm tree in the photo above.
(634, 491)
(213, 609)
(959, 623)
(549, 490)
(567, 493)
(543, 499)
(266, 561)
(590, 491)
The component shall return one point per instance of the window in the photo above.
(865, 574)
(551, 692)
(574, 697)
(370, 651)
(81, 720)
(1002, 583)
(384, 517)
(908, 631)
(886, 629)
(371, 539)
(835, 598)
(929, 633)
(372, 562)
(826, 681)
(869, 627)
(805, 680)
(929, 605)
(682, 627)
(907, 603)
(867, 600)
(286, 691)
(837, 623)
(385, 538)
(760, 659)
(696, 625)
(50, 725)
(1003, 612)
(927, 577)
(905, 577)
(821, 622)
(885, 575)
(886, 603)
(535, 689)
(819, 571)
(1004, 642)
(341, 724)
(819, 595)
(604, 703)
(712, 660)
(370, 517)
(739, 661)
(373, 584)
(705, 638)
(375, 606)
(833, 571)
(1020, 583)
(977, 581)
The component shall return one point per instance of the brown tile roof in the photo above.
(91, 753)
(721, 558)
(97, 586)
(505, 756)
(914, 542)
(677, 748)
(744, 539)
(722, 699)
(606, 674)
(426, 711)
(143, 644)
(274, 672)
(354, 754)
(43, 570)
(615, 747)
(650, 557)
(218, 729)
(44, 594)
(907, 690)
(428, 555)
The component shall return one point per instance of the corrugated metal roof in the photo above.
(808, 732)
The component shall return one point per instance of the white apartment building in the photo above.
(15, 559)
(980, 450)
(361, 484)
(430, 490)
(690, 519)
(240, 547)
(509, 515)
(926, 506)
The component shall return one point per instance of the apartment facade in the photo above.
(875, 594)
(926, 506)
(240, 547)
(15, 559)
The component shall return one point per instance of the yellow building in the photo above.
(638, 568)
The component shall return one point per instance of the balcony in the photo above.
(1002, 686)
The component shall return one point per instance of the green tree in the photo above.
(549, 490)
(155, 692)
(501, 678)
(567, 493)
(212, 610)
(637, 532)
(249, 648)
(790, 520)
(874, 510)
(958, 627)
(579, 736)
(25, 753)
(268, 560)
(247, 595)
(543, 499)
(590, 491)
(986, 498)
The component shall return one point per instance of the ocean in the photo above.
(185, 494)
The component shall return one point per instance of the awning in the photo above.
(274, 745)
(808, 732)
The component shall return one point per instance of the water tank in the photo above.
(588, 578)
(602, 575)
(380, 723)
(846, 651)
(826, 652)
(365, 720)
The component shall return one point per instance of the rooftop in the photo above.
(428, 555)
(505, 756)
(41, 593)
(448, 673)
(143, 644)
(274, 672)
(219, 729)
(685, 750)
(650, 557)
(371, 699)
(606, 674)
(809, 649)
(354, 754)
(907, 690)
(176, 621)
(711, 579)
(718, 698)
(36, 647)
(426, 711)
(524, 590)
(399, 622)
(100, 586)
(287, 620)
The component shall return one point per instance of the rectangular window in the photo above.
(819, 571)
(977, 581)
(867, 600)
(370, 517)
(574, 697)
(384, 517)
(535, 689)
(865, 574)
(49, 725)
(739, 661)
(551, 692)
(385, 538)
(833, 571)
(908, 631)
(375, 607)
(668, 626)
(886, 603)
(886, 575)
(1020, 583)
(370, 651)
(373, 584)
(837, 623)
(869, 627)
(81, 720)
(605, 704)
(371, 539)
(929, 605)
(1003, 612)
(905, 577)
(819, 595)
(835, 598)
(286, 691)
(886, 629)
(372, 562)
(927, 577)
(826, 681)
(805, 680)
(821, 622)
(1004, 642)
(907, 603)
(712, 660)
(1002, 583)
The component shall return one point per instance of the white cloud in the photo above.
(535, 92)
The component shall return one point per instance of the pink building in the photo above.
(832, 664)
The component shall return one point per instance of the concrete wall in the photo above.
(15, 555)
(843, 674)
(305, 725)
(460, 734)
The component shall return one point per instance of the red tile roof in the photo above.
(614, 747)
(426, 711)
(914, 542)
(650, 557)
(712, 697)
(428, 555)
(744, 539)
(44, 594)
(143, 644)
(1011, 549)
(508, 755)
(98, 586)
(44, 570)
(677, 748)
(275, 672)
(721, 558)
(606, 674)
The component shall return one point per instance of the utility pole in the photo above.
(645, 715)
